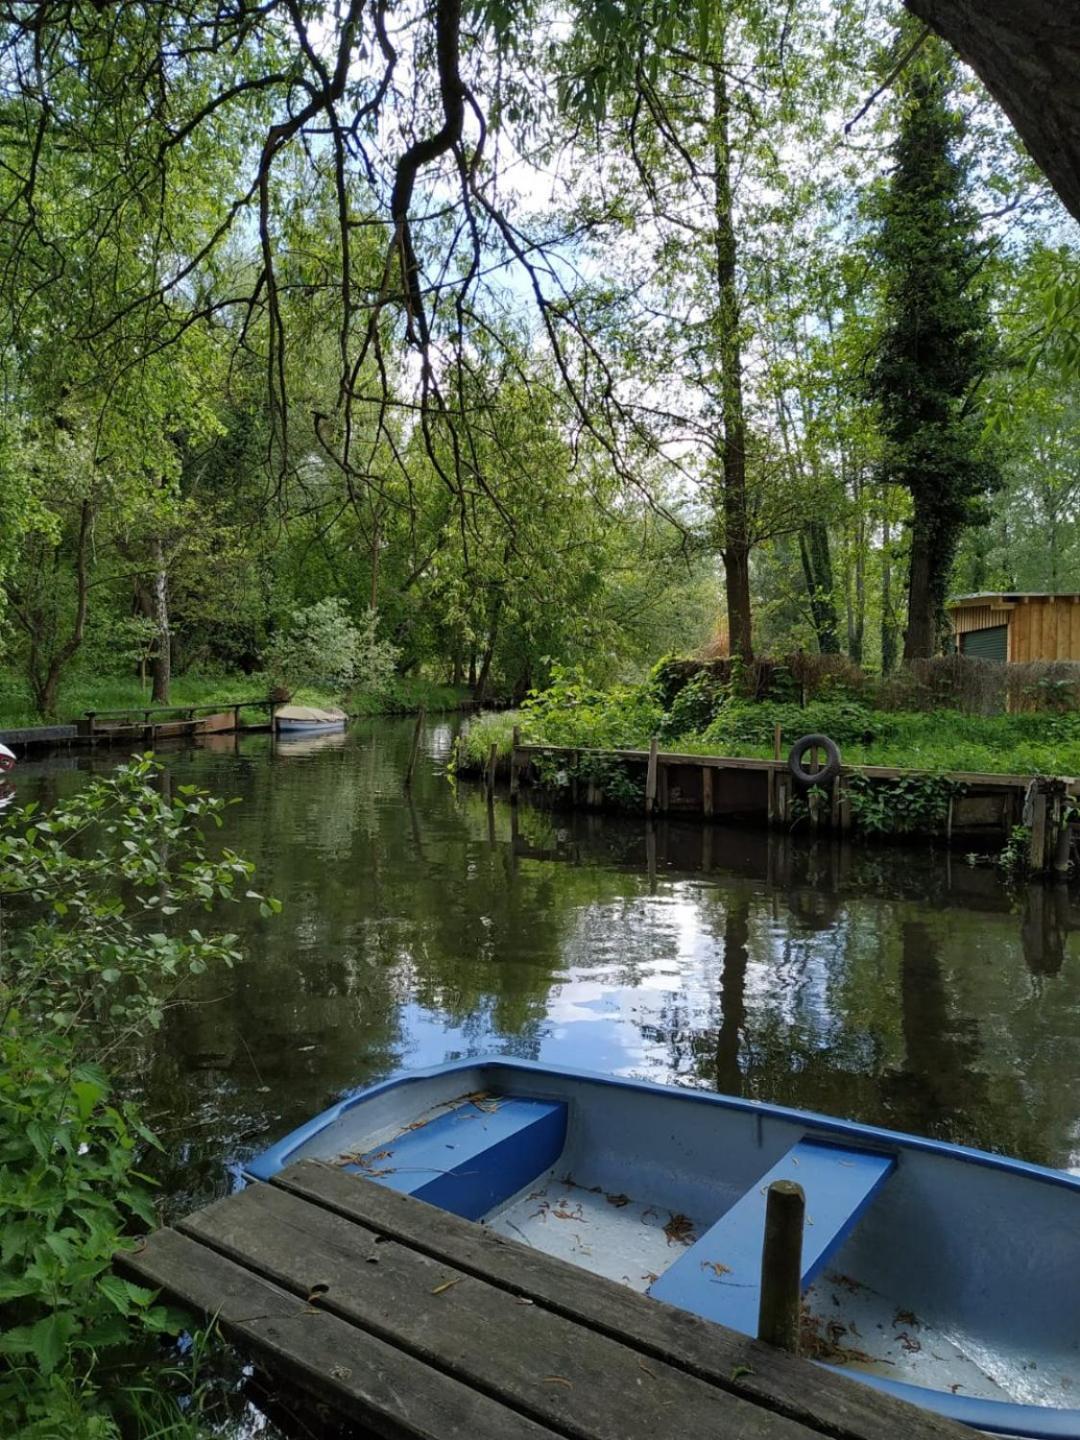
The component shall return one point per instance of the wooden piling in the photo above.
(1037, 849)
(493, 760)
(781, 1266)
(650, 777)
(707, 774)
(414, 749)
(1063, 850)
(515, 778)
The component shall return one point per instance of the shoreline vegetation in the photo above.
(404, 695)
(934, 725)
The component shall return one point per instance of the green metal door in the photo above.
(989, 644)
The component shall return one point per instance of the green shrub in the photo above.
(89, 966)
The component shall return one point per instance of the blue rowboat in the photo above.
(944, 1275)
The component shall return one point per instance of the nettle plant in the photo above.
(89, 964)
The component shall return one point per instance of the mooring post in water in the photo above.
(781, 1266)
(650, 777)
(1063, 850)
(415, 748)
(515, 780)
(493, 757)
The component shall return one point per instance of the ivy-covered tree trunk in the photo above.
(733, 502)
(935, 341)
(889, 636)
(818, 574)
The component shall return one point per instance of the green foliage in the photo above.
(745, 727)
(1014, 857)
(90, 966)
(573, 712)
(320, 645)
(936, 343)
(913, 804)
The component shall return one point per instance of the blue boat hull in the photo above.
(942, 1274)
(309, 727)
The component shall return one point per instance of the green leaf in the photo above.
(47, 1341)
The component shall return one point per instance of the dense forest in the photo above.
(449, 345)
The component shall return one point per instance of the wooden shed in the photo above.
(1017, 627)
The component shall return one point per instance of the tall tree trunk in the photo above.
(480, 692)
(376, 548)
(46, 671)
(736, 521)
(857, 622)
(161, 660)
(888, 618)
(817, 571)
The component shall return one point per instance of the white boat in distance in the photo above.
(308, 720)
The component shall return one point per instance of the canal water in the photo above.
(907, 988)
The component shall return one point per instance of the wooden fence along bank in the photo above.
(983, 811)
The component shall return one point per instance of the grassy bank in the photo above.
(935, 741)
(111, 692)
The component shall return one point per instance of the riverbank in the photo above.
(405, 695)
(1022, 813)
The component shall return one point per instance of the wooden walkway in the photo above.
(415, 1323)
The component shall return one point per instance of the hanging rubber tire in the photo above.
(7, 760)
(828, 772)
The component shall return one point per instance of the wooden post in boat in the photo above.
(650, 777)
(515, 779)
(414, 751)
(493, 759)
(781, 1266)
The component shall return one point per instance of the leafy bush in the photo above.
(572, 712)
(320, 645)
(86, 973)
(739, 726)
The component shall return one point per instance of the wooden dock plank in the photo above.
(833, 1406)
(571, 1378)
(392, 1394)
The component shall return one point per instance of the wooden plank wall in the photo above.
(1045, 628)
(979, 617)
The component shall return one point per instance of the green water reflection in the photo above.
(895, 987)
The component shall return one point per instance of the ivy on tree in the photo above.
(936, 343)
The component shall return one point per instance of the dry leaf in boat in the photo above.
(716, 1267)
(680, 1229)
(558, 1380)
(439, 1289)
(618, 1200)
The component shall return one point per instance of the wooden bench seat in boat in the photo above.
(470, 1158)
(719, 1277)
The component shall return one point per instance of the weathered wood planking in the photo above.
(423, 1326)
(543, 1364)
(827, 1403)
(364, 1378)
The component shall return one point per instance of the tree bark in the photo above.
(888, 618)
(818, 574)
(45, 673)
(736, 527)
(480, 691)
(161, 660)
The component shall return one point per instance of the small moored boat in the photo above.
(942, 1274)
(308, 720)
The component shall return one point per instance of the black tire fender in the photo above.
(828, 772)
